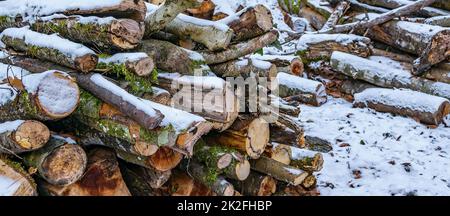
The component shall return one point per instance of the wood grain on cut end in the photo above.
(224, 161)
(86, 63)
(126, 33)
(165, 159)
(258, 137)
(267, 187)
(242, 170)
(31, 135)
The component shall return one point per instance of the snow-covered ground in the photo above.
(378, 154)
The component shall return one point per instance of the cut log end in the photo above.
(297, 67)
(32, 135)
(300, 179)
(64, 165)
(257, 137)
(126, 33)
(263, 18)
(86, 63)
(58, 95)
(143, 67)
(145, 149)
(267, 187)
(242, 170)
(224, 161)
(309, 181)
(282, 153)
(437, 51)
(165, 159)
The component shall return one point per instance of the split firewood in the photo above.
(280, 133)
(287, 64)
(51, 95)
(314, 47)
(102, 178)
(183, 185)
(172, 58)
(317, 144)
(241, 49)
(163, 160)
(214, 98)
(143, 181)
(304, 90)
(51, 48)
(380, 75)
(157, 18)
(439, 73)
(60, 162)
(246, 67)
(247, 134)
(338, 12)
(428, 109)
(443, 21)
(257, 185)
(279, 170)
(22, 136)
(103, 34)
(15, 180)
(209, 178)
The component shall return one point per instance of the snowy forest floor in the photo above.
(378, 154)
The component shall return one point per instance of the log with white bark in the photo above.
(425, 108)
(392, 4)
(60, 162)
(338, 12)
(143, 181)
(288, 64)
(51, 48)
(15, 180)
(279, 170)
(210, 97)
(284, 107)
(245, 67)
(279, 152)
(307, 91)
(443, 21)
(157, 18)
(282, 134)
(247, 134)
(257, 185)
(51, 95)
(101, 178)
(439, 73)
(313, 47)
(22, 136)
(103, 34)
(241, 49)
(385, 76)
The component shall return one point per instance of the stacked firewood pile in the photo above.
(87, 91)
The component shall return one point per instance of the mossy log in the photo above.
(306, 160)
(22, 136)
(157, 18)
(133, 9)
(183, 185)
(15, 180)
(238, 50)
(143, 181)
(103, 34)
(9, 22)
(253, 21)
(47, 96)
(139, 64)
(102, 178)
(246, 68)
(247, 134)
(257, 185)
(280, 133)
(317, 144)
(60, 162)
(75, 56)
(279, 170)
(163, 160)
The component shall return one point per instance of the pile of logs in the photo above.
(89, 95)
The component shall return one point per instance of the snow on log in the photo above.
(163, 160)
(101, 178)
(247, 134)
(51, 95)
(14, 180)
(385, 76)
(316, 19)
(280, 133)
(10, 22)
(306, 160)
(158, 17)
(278, 170)
(425, 108)
(317, 144)
(60, 162)
(257, 184)
(308, 91)
(279, 152)
(236, 51)
(138, 63)
(172, 58)
(22, 136)
(245, 67)
(338, 12)
(51, 48)
(283, 106)
(392, 4)
(103, 34)
(313, 47)
(288, 64)
(443, 21)
(159, 95)
(216, 101)
(439, 73)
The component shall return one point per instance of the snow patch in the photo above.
(8, 186)
(10, 125)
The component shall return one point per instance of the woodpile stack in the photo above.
(93, 97)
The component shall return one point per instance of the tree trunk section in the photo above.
(278, 170)
(16, 181)
(24, 136)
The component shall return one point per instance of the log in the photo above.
(102, 178)
(309, 182)
(339, 11)
(163, 160)
(306, 160)
(257, 185)
(316, 19)
(157, 18)
(216, 183)
(317, 144)
(51, 48)
(143, 181)
(183, 185)
(209, 97)
(289, 190)
(279, 152)
(103, 34)
(250, 22)
(382, 76)
(443, 21)
(314, 47)
(120, 99)
(279, 133)
(439, 73)
(171, 58)
(278, 170)
(241, 49)
(429, 109)
(22, 136)
(160, 96)
(9, 22)
(15, 180)
(287, 64)
(51, 95)
(309, 91)
(284, 107)
(392, 4)
(137, 63)
(204, 11)
(246, 68)
(442, 4)
(133, 9)
(247, 134)
(60, 162)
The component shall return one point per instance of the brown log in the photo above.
(284, 107)
(317, 144)
(252, 22)
(314, 18)
(183, 185)
(279, 152)
(287, 64)
(439, 73)
(442, 4)
(133, 9)
(278, 170)
(15, 180)
(306, 91)
(443, 21)
(163, 160)
(204, 11)
(139, 64)
(279, 133)
(246, 68)
(306, 160)
(159, 95)
(290, 190)
(257, 185)
(22, 136)
(143, 181)
(102, 178)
